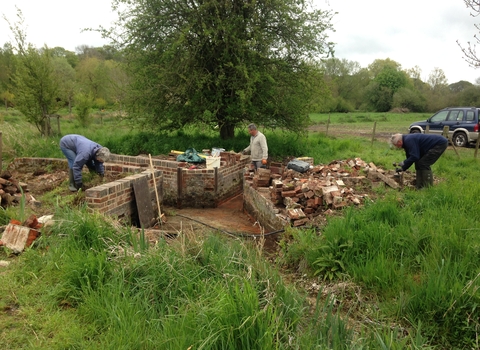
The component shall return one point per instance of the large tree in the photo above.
(222, 62)
(388, 78)
(65, 76)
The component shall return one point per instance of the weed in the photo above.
(331, 262)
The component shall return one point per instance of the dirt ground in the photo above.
(41, 181)
(346, 131)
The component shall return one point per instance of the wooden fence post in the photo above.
(476, 146)
(58, 124)
(328, 124)
(373, 133)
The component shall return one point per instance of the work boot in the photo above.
(71, 185)
(428, 177)
(424, 179)
(419, 179)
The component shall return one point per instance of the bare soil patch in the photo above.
(350, 130)
(41, 180)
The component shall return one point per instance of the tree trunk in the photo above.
(227, 131)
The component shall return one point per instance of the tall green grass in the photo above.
(418, 251)
(205, 293)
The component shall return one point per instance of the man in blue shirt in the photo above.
(423, 150)
(81, 151)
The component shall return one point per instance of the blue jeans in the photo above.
(258, 164)
(70, 156)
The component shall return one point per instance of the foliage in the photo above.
(469, 96)
(330, 264)
(332, 85)
(83, 106)
(65, 76)
(388, 80)
(222, 62)
(4, 217)
(379, 97)
(35, 85)
(7, 68)
(391, 78)
(409, 99)
(93, 76)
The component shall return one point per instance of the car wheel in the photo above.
(414, 131)
(460, 139)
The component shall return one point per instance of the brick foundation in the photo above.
(196, 188)
(177, 186)
(261, 208)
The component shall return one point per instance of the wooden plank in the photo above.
(390, 182)
(144, 202)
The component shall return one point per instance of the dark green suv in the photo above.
(462, 124)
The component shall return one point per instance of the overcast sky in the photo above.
(411, 32)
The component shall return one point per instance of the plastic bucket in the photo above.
(213, 162)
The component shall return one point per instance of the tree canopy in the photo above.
(222, 62)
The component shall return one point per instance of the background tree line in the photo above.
(220, 64)
(384, 85)
(96, 77)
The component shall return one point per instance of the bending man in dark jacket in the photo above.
(81, 151)
(423, 150)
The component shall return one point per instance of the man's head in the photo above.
(103, 154)
(396, 140)
(252, 129)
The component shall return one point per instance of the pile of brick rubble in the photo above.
(301, 197)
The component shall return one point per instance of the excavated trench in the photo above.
(229, 218)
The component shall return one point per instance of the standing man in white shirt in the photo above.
(258, 147)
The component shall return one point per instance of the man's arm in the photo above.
(412, 151)
(264, 146)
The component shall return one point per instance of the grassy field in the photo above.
(364, 123)
(405, 267)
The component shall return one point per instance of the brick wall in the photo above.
(177, 186)
(198, 188)
(113, 198)
(261, 208)
(118, 197)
